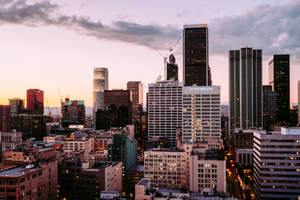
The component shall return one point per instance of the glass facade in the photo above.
(279, 78)
(35, 101)
(245, 86)
(195, 55)
(100, 83)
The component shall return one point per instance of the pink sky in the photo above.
(52, 57)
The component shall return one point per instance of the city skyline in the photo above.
(72, 48)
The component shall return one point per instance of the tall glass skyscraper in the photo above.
(99, 85)
(245, 88)
(279, 78)
(195, 55)
(35, 101)
(136, 88)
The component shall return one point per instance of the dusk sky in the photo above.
(56, 44)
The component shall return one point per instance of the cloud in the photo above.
(19, 12)
(45, 13)
(183, 13)
(275, 29)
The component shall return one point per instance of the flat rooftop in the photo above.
(104, 164)
(15, 171)
(195, 26)
(165, 150)
(137, 168)
(144, 181)
(283, 131)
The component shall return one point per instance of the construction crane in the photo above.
(171, 48)
(175, 44)
(59, 95)
(61, 101)
(49, 111)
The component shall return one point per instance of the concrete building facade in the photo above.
(164, 110)
(201, 113)
(207, 174)
(166, 168)
(276, 164)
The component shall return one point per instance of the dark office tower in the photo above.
(269, 106)
(279, 78)
(5, 117)
(72, 112)
(123, 148)
(117, 109)
(118, 98)
(245, 88)
(171, 70)
(16, 106)
(136, 88)
(35, 101)
(31, 125)
(112, 116)
(195, 55)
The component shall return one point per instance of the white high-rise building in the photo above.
(276, 162)
(201, 113)
(164, 110)
(99, 85)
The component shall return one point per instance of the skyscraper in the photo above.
(72, 112)
(195, 55)
(32, 125)
(35, 101)
(171, 68)
(118, 98)
(117, 109)
(245, 88)
(269, 106)
(164, 110)
(201, 113)
(136, 88)
(5, 118)
(99, 85)
(279, 78)
(16, 106)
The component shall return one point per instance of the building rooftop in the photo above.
(195, 26)
(110, 192)
(284, 131)
(104, 164)
(290, 130)
(214, 154)
(137, 168)
(165, 150)
(15, 171)
(144, 181)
